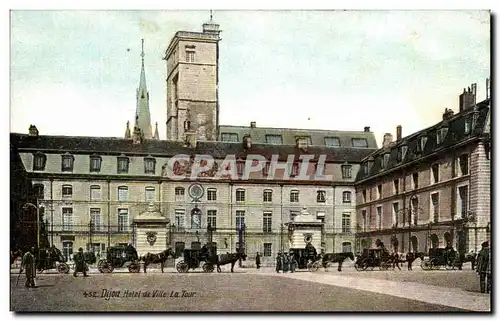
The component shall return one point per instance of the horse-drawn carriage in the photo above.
(117, 257)
(371, 258)
(51, 258)
(306, 258)
(192, 259)
(439, 257)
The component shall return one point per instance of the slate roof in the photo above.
(455, 135)
(163, 148)
(289, 135)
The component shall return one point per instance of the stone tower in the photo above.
(192, 83)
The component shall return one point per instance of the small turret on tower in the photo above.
(156, 135)
(127, 131)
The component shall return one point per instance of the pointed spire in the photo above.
(211, 15)
(156, 135)
(143, 117)
(127, 131)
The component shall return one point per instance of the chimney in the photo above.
(468, 98)
(367, 129)
(33, 131)
(399, 133)
(448, 113)
(387, 140)
(253, 124)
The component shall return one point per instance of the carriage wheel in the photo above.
(384, 266)
(207, 267)
(359, 266)
(134, 268)
(105, 267)
(63, 268)
(182, 267)
(425, 265)
(313, 266)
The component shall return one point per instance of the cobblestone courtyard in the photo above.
(246, 290)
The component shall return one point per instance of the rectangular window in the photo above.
(150, 193)
(95, 219)
(346, 222)
(122, 165)
(179, 194)
(294, 196)
(379, 216)
(67, 191)
(95, 164)
(67, 250)
(122, 194)
(414, 180)
(229, 137)
(379, 191)
(435, 207)
(38, 190)
(346, 197)
(463, 193)
(179, 220)
(274, 139)
(359, 142)
(240, 195)
(267, 222)
(434, 173)
(122, 220)
(346, 171)
(67, 218)
(467, 125)
(463, 161)
(396, 186)
(211, 194)
(190, 55)
(268, 196)
(363, 217)
(196, 220)
(95, 193)
(268, 249)
(395, 210)
(332, 142)
(67, 163)
(414, 210)
(240, 219)
(149, 165)
(321, 197)
(212, 219)
(364, 196)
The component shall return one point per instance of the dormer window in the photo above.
(332, 142)
(274, 139)
(441, 134)
(67, 161)
(149, 165)
(39, 161)
(467, 128)
(303, 141)
(229, 137)
(404, 150)
(359, 142)
(95, 163)
(423, 141)
(122, 163)
(346, 171)
(370, 163)
(385, 160)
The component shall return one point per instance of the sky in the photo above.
(75, 72)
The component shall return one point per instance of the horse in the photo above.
(411, 257)
(150, 258)
(48, 257)
(336, 258)
(470, 257)
(232, 258)
(14, 255)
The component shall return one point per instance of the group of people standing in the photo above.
(285, 262)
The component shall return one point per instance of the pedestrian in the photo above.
(257, 260)
(484, 268)
(29, 265)
(80, 265)
(286, 262)
(293, 262)
(278, 263)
